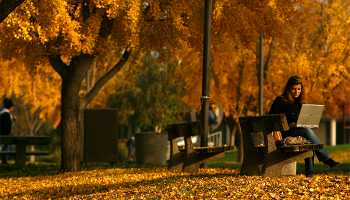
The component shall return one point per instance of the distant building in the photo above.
(331, 132)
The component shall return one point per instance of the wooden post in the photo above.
(21, 151)
(344, 125)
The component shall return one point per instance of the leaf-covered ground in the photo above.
(38, 181)
(159, 183)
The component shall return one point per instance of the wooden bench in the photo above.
(269, 160)
(190, 158)
(21, 142)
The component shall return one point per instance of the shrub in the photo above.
(122, 152)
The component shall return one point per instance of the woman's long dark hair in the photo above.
(294, 80)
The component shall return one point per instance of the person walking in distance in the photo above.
(6, 121)
(131, 147)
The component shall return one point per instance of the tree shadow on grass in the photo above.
(60, 189)
(51, 169)
(28, 170)
(226, 165)
(320, 168)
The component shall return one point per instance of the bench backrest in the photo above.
(275, 122)
(258, 130)
(187, 128)
(31, 140)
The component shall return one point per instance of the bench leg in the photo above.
(176, 157)
(176, 161)
(194, 160)
(252, 164)
(20, 151)
(276, 161)
(289, 169)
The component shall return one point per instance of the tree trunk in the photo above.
(233, 134)
(72, 77)
(7, 6)
(32, 147)
(71, 103)
(70, 135)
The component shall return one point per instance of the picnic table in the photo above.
(21, 142)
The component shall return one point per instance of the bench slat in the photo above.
(188, 128)
(213, 149)
(27, 153)
(320, 146)
(293, 148)
(30, 140)
(309, 147)
(188, 159)
(278, 122)
(296, 148)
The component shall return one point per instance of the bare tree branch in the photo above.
(341, 25)
(240, 80)
(59, 66)
(103, 80)
(269, 55)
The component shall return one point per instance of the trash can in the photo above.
(100, 138)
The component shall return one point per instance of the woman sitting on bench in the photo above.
(290, 104)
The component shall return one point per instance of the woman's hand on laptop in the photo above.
(293, 125)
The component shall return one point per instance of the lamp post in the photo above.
(261, 75)
(206, 74)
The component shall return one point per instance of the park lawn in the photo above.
(340, 153)
(105, 181)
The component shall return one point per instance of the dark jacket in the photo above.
(212, 118)
(5, 123)
(291, 110)
(130, 144)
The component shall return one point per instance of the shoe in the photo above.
(310, 175)
(330, 163)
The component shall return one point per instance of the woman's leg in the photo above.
(309, 167)
(309, 134)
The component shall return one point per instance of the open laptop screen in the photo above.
(310, 115)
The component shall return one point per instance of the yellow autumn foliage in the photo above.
(316, 49)
(40, 89)
(72, 27)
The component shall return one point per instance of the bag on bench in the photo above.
(277, 136)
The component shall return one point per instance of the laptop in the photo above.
(310, 115)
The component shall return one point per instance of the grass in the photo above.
(340, 153)
(49, 169)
